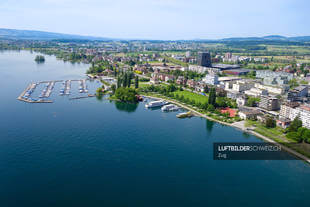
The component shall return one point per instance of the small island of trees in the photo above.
(39, 59)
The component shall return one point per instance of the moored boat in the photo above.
(184, 115)
(170, 107)
(153, 104)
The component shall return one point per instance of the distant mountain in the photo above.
(300, 38)
(270, 38)
(40, 35)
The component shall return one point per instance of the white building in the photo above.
(271, 89)
(291, 112)
(211, 79)
(202, 69)
(256, 92)
(242, 85)
(241, 101)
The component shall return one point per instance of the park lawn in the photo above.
(143, 84)
(192, 96)
(292, 48)
(273, 133)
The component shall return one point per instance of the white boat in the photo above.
(155, 104)
(170, 107)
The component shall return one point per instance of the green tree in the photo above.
(211, 108)
(293, 83)
(206, 89)
(252, 101)
(293, 135)
(119, 81)
(125, 79)
(205, 105)
(171, 88)
(212, 96)
(270, 122)
(136, 82)
(113, 88)
(295, 125)
(303, 134)
(126, 94)
(129, 77)
(220, 102)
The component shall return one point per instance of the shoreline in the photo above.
(289, 150)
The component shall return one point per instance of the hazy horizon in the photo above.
(158, 19)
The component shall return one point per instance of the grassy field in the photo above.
(273, 133)
(291, 48)
(192, 96)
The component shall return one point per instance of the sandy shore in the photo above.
(238, 125)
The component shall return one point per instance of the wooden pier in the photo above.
(80, 97)
(26, 94)
(31, 85)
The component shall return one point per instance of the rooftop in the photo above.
(225, 66)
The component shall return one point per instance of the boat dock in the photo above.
(25, 95)
(48, 88)
(83, 87)
(80, 97)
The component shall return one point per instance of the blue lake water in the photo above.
(91, 152)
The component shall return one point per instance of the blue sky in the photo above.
(159, 19)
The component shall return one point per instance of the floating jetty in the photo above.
(80, 97)
(48, 88)
(25, 95)
(83, 87)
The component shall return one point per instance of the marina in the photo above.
(48, 86)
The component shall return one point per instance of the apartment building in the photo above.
(211, 79)
(255, 92)
(269, 103)
(272, 89)
(297, 93)
(292, 110)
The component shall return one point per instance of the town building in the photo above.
(283, 122)
(241, 100)
(292, 110)
(211, 79)
(204, 59)
(242, 85)
(255, 92)
(274, 78)
(233, 94)
(298, 93)
(279, 80)
(202, 69)
(181, 80)
(191, 83)
(240, 71)
(246, 114)
(277, 90)
(225, 66)
(228, 55)
(268, 73)
(269, 103)
(188, 54)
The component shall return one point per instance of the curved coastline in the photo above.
(293, 152)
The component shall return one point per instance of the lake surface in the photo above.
(91, 152)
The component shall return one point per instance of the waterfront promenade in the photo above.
(238, 125)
